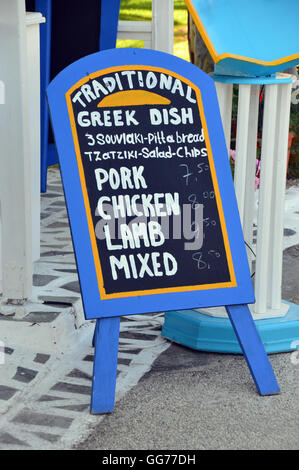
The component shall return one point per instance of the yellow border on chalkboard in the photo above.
(98, 268)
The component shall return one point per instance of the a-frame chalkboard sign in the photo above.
(150, 198)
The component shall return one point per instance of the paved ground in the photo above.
(168, 397)
(207, 401)
(196, 400)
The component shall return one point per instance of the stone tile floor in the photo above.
(46, 356)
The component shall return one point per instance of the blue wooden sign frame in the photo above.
(95, 305)
(234, 294)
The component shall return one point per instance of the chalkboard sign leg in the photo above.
(253, 349)
(105, 365)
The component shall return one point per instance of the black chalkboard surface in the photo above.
(149, 181)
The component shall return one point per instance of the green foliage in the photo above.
(135, 10)
(141, 10)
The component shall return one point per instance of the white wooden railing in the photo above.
(156, 34)
(20, 149)
(270, 197)
(20, 142)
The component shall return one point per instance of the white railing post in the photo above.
(249, 198)
(156, 34)
(241, 147)
(265, 193)
(162, 24)
(33, 21)
(15, 177)
(225, 99)
(246, 139)
(278, 195)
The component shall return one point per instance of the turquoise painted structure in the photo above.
(250, 42)
(206, 333)
(254, 38)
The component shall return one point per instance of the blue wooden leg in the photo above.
(253, 349)
(105, 365)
